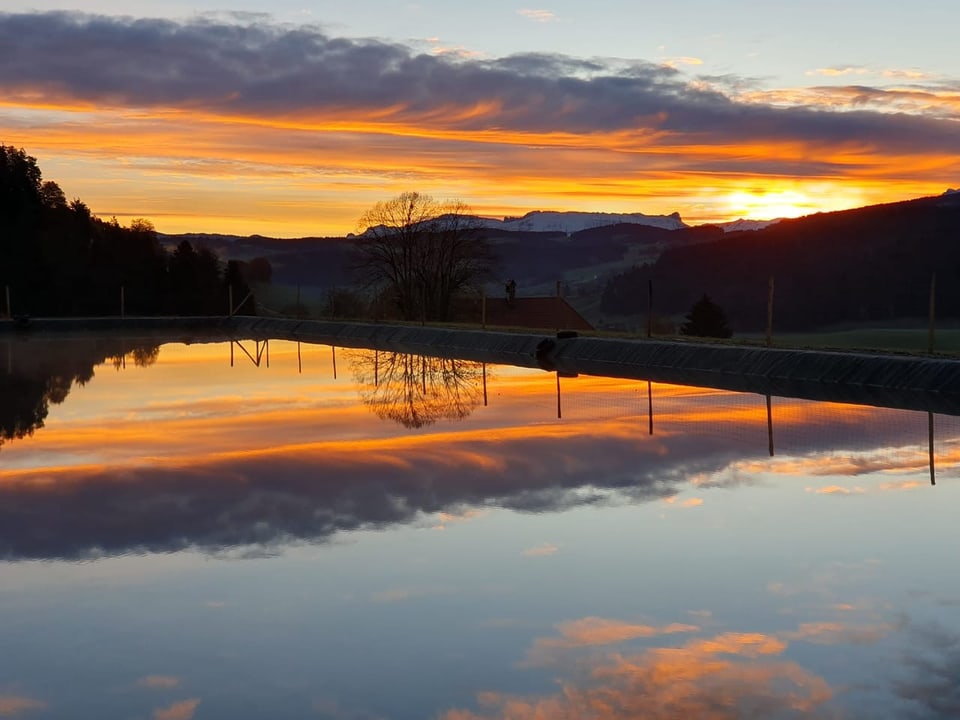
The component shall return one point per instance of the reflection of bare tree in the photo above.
(415, 390)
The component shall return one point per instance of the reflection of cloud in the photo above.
(183, 710)
(410, 593)
(541, 550)
(542, 16)
(834, 633)
(836, 490)
(933, 663)
(14, 705)
(903, 485)
(158, 681)
(601, 631)
(717, 678)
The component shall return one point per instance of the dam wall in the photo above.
(912, 382)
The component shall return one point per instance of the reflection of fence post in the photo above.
(769, 426)
(559, 414)
(933, 301)
(770, 314)
(650, 405)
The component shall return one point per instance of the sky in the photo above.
(291, 118)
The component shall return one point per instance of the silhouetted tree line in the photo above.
(58, 259)
(873, 264)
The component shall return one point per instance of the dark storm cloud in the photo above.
(253, 68)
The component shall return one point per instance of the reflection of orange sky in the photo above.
(293, 176)
(191, 408)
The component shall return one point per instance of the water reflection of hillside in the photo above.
(39, 373)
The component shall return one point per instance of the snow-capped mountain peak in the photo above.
(571, 222)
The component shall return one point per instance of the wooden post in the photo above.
(770, 315)
(267, 343)
(299, 360)
(933, 473)
(333, 349)
(9, 312)
(230, 298)
(559, 311)
(933, 302)
(231, 353)
(123, 308)
(650, 309)
(483, 308)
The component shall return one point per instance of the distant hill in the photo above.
(872, 264)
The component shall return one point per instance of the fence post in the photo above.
(650, 307)
(770, 313)
(933, 301)
(559, 306)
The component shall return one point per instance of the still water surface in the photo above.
(200, 531)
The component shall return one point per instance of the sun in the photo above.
(770, 204)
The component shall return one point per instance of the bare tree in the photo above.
(423, 251)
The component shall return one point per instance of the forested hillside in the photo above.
(872, 264)
(57, 258)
